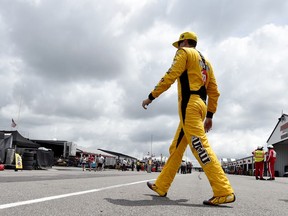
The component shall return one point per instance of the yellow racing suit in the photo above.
(195, 80)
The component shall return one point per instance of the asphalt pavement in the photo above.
(70, 191)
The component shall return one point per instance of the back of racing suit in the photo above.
(195, 80)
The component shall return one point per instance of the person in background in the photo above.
(183, 167)
(149, 165)
(96, 160)
(196, 81)
(138, 165)
(100, 162)
(84, 161)
(189, 167)
(104, 162)
(124, 164)
(271, 159)
(259, 162)
(90, 161)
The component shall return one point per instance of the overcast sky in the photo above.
(78, 70)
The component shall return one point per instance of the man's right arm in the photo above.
(178, 66)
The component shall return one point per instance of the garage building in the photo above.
(279, 140)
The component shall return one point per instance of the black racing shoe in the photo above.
(155, 188)
(215, 201)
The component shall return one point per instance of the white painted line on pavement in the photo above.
(27, 202)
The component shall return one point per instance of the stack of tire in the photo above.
(28, 160)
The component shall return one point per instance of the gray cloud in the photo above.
(79, 71)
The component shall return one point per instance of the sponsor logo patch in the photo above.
(202, 153)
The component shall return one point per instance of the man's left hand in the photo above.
(208, 124)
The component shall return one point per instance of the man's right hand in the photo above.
(146, 102)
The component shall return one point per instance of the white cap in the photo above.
(270, 146)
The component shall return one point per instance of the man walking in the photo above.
(196, 80)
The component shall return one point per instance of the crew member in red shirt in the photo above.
(90, 161)
(271, 159)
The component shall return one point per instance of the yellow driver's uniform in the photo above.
(196, 81)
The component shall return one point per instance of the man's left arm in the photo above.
(213, 95)
(212, 92)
